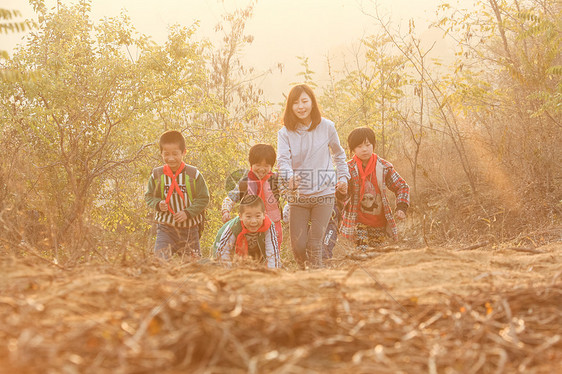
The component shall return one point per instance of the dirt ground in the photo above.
(494, 309)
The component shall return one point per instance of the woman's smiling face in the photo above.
(302, 107)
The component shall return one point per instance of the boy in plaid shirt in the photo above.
(367, 216)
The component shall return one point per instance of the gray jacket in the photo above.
(316, 156)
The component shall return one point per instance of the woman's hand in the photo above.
(294, 182)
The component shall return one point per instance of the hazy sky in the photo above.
(283, 29)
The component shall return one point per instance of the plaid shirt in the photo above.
(384, 171)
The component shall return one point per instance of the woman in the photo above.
(306, 146)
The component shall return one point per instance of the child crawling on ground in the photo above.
(250, 234)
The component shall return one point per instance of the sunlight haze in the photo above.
(282, 30)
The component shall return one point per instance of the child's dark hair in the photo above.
(262, 152)
(290, 120)
(358, 137)
(251, 201)
(172, 137)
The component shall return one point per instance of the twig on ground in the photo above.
(475, 246)
(523, 249)
(362, 256)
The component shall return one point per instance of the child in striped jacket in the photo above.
(179, 195)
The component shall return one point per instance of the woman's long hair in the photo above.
(290, 120)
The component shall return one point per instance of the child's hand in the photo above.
(225, 216)
(342, 187)
(162, 205)
(399, 214)
(180, 216)
(294, 182)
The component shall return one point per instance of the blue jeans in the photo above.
(181, 240)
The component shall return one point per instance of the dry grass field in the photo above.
(493, 309)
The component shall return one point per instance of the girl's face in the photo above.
(364, 150)
(302, 107)
(261, 169)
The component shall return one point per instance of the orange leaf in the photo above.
(154, 326)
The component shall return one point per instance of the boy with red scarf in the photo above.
(179, 195)
(367, 217)
(252, 234)
(259, 181)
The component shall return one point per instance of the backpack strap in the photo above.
(274, 183)
(191, 174)
(276, 190)
(159, 181)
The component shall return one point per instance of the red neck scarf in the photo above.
(242, 242)
(174, 185)
(260, 192)
(363, 174)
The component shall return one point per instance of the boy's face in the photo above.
(252, 218)
(261, 169)
(364, 150)
(172, 155)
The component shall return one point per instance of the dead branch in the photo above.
(475, 246)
